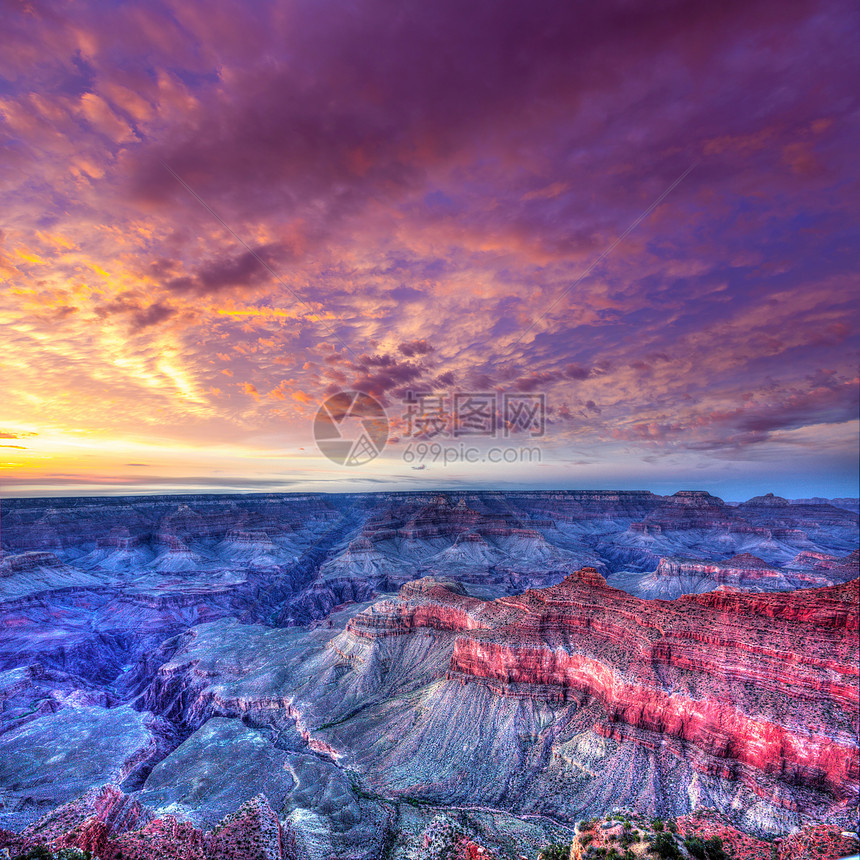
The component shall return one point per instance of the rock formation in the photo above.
(709, 675)
(677, 576)
(111, 826)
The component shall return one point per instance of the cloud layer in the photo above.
(218, 214)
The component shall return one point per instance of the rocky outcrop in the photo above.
(427, 603)
(444, 839)
(686, 510)
(25, 561)
(677, 576)
(837, 568)
(89, 822)
(111, 825)
(697, 525)
(705, 833)
(767, 500)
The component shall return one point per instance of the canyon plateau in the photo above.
(320, 676)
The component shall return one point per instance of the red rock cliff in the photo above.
(768, 681)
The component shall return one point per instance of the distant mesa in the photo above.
(587, 576)
(745, 561)
(696, 498)
(429, 584)
(29, 561)
(768, 500)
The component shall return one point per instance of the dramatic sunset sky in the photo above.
(433, 187)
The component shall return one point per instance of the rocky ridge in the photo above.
(586, 641)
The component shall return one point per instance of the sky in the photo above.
(216, 215)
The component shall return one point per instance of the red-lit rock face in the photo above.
(112, 826)
(713, 672)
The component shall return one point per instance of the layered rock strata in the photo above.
(755, 683)
(676, 576)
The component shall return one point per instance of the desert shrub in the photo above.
(664, 847)
(714, 849)
(585, 838)
(657, 825)
(441, 835)
(673, 828)
(554, 852)
(695, 847)
(708, 849)
(36, 852)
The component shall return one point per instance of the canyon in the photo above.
(326, 675)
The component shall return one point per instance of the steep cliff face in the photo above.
(758, 689)
(425, 603)
(89, 822)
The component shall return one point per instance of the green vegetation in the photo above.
(42, 852)
(554, 852)
(695, 847)
(358, 788)
(708, 849)
(662, 839)
(665, 847)
(37, 852)
(344, 719)
(714, 849)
